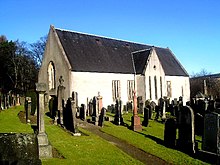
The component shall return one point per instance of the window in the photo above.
(161, 87)
(130, 89)
(116, 90)
(169, 89)
(51, 76)
(182, 91)
(155, 83)
(150, 87)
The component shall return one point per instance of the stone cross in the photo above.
(45, 150)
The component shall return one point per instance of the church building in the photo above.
(91, 64)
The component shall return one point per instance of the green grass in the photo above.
(149, 140)
(88, 149)
(9, 121)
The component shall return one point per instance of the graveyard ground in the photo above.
(91, 149)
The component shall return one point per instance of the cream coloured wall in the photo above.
(154, 68)
(88, 84)
(179, 84)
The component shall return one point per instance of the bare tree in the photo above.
(37, 49)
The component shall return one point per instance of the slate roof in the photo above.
(140, 60)
(90, 53)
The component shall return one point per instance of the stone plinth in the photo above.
(45, 149)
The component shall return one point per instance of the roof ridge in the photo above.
(142, 50)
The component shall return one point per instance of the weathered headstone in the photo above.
(118, 115)
(211, 136)
(45, 149)
(60, 96)
(186, 139)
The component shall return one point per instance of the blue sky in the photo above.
(190, 28)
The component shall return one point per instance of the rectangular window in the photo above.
(155, 83)
(150, 87)
(116, 90)
(130, 89)
(169, 89)
(161, 87)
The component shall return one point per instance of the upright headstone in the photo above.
(99, 99)
(82, 112)
(95, 117)
(73, 105)
(211, 136)
(18, 100)
(102, 117)
(118, 115)
(60, 96)
(27, 108)
(45, 149)
(164, 110)
(186, 139)
(170, 132)
(146, 117)
(135, 119)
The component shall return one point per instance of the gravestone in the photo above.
(186, 139)
(45, 149)
(18, 100)
(60, 99)
(95, 117)
(146, 117)
(99, 101)
(118, 115)
(27, 108)
(90, 108)
(211, 136)
(102, 117)
(82, 112)
(170, 133)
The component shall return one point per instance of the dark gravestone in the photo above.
(102, 117)
(95, 111)
(186, 139)
(19, 149)
(90, 108)
(118, 116)
(70, 116)
(211, 136)
(146, 117)
(170, 132)
(82, 112)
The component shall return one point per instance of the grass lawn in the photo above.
(88, 149)
(149, 140)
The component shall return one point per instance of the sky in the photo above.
(190, 28)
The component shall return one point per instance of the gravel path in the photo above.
(131, 150)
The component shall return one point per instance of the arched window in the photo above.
(51, 76)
